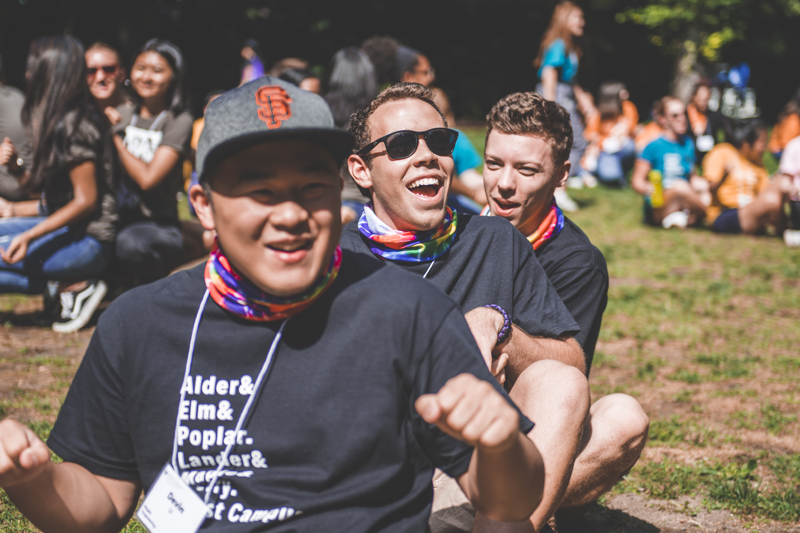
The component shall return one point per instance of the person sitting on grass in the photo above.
(403, 160)
(664, 172)
(744, 200)
(790, 167)
(68, 234)
(319, 390)
(527, 157)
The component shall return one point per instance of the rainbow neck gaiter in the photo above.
(234, 293)
(552, 224)
(410, 246)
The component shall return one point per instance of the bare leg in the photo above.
(766, 209)
(556, 397)
(612, 442)
(681, 196)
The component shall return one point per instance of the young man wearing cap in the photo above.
(528, 143)
(284, 381)
(403, 160)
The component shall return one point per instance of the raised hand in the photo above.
(471, 410)
(23, 455)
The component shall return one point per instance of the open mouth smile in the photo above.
(291, 251)
(426, 187)
(504, 208)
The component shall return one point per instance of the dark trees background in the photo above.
(481, 49)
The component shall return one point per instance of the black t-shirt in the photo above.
(579, 274)
(332, 444)
(490, 263)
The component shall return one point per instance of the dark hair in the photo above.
(352, 84)
(178, 94)
(56, 103)
(791, 108)
(296, 75)
(407, 61)
(609, 102)
(382, 52)
(400, 91)
(702, 82)
(740, 132)
(532, 114)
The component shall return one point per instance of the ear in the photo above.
(360, 171)
(202, 206)
(564, 174)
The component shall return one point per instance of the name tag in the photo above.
(171, 506)
(704, 143)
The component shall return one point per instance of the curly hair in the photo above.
(532, 114)
(401, 91)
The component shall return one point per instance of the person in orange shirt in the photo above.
(702, 122)
(787, 127)
(611, 151)
(744, 200)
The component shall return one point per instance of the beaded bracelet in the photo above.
(506, 329)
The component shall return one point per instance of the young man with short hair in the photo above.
(402, 159)
(284, 382)
(528, 143)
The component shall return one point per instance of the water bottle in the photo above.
(657, 198)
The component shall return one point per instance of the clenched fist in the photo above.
(23, 455)
(471, 410)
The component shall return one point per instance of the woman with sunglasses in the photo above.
(152, 139)
(104, 74)
(664, 172)
(67, 234)
(557, 62)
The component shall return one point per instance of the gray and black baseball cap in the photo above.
(264, 110)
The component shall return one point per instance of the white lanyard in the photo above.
(155, 123)
(247, 406)
(429, 269)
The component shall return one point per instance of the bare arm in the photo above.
(148, 175)
(505, 478)
(639, 181)
(26, 208)
(549, 82)
(522, 349)
(83, 204)
(60, 497)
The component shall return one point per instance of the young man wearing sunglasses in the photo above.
(403, 161)
(528, 143)
(284, 382)
(105, 75)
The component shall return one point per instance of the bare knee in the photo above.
(623, 421)
(553, 379)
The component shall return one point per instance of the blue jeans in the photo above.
(611, 168)
(61, 255)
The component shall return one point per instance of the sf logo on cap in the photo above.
(273, 105)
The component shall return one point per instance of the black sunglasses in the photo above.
(402, 144)
(108, 69)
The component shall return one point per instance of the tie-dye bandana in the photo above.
(234, 293)
(552, 224)
(411, 246)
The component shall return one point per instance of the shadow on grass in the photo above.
(599, 519)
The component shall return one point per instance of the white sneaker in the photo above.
(791, 237)
(67, 303)
(589, 181)
(678, 219)
(85, 304)
(575, 182)
(565, 202)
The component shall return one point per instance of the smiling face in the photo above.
(674, 119)
(276, 210)
(519, 176)
(103, 84)
(576, 22)
(701, 98)
(408, 194)
(423, 73)
(151, 75)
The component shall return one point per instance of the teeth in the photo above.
(423, 182)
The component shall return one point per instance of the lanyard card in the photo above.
(171, 506)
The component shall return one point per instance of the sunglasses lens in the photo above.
(110, 69)
(401, 144)
(91, 71)
(441, 141)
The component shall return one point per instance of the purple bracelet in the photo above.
(506, 330)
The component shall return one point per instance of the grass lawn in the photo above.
(703, 330)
